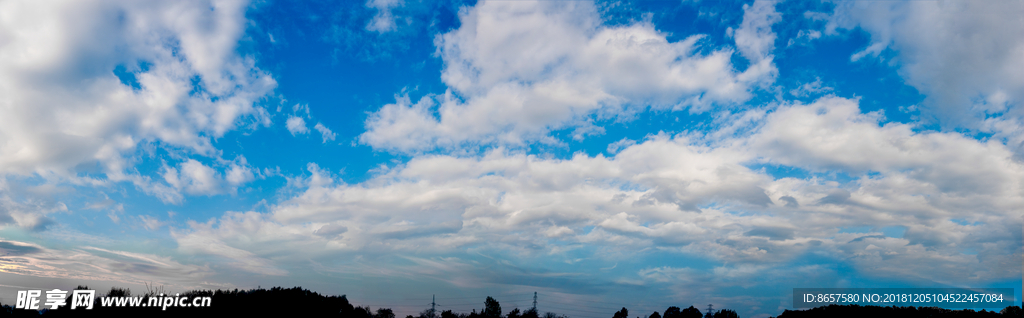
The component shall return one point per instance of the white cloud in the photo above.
(201, 238)
(195, 178)
(845, 139)
(810, 89)
(518, 69)
(238, 175)
(756, 40)
(441, 203)
(678, 195)
(88, 263)
(384, 20)
(27, 213)
(151, 223)
(964, 56)
(325, 132)
(619, 145)
(296, 125)
(63, 105)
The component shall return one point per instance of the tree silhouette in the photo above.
(691, 312)
(673, 312)
(909, 312)
(624, 313)
(513, 314)
(554, 315)
(119, 292)
(384, 313)
(530, 313)
(726, 313)
(362, 312)
(654, 315)
(1012, 311)
(491, 308)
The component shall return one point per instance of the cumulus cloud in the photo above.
(239, 174)
(755, 38)
(196, 178)
(511, 82)
(296, 125)
(962, 55)
(851, 141)
(441, 203)
(676, 194)
(85, 83)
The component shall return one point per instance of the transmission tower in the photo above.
(433, 303)
(534, 301)
(710, 313)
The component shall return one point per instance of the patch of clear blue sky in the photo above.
(855, 229)
(322, 56)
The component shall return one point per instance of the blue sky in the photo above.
(609, 154)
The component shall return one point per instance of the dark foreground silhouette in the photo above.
(298, 302)
(902, 312)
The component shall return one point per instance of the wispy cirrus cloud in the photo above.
(88, 263)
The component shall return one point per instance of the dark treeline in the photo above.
(691, 312)
(277, 301)
(292, 302)
(902, 312)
